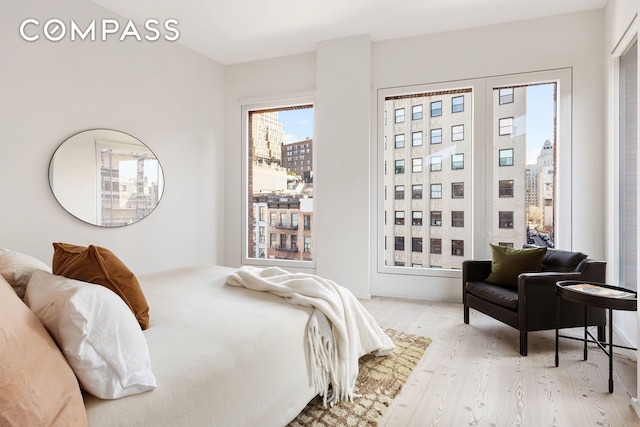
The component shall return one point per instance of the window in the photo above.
(457, 190)
(399, 141)
(457, 247)
(457, 104)
(307, 245)
(416, 165)
(436, 108)
(416, 191)
(399, 218)
(436, 136)
(400, 115)
(272, 230)
(416, 244)
(505, 188)
(505, 157)
(435, 163)
(399, 243)
(399, 192)
(399, 167)
(436, 218)
(416, 139)
(457, 133)
(436, 191)
(505, 126)
(416, 218)
(505, 219)
(517, 190)
(628, 168)
(457, 218)
(436, 246)
(416, 112)
(506, 95)
(457, 161)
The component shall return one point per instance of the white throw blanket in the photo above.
(337, 338)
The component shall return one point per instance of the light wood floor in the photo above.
(473, 375)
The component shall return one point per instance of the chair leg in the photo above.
(523, 343)
(466, 314)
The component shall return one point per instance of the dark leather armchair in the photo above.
(532, 306)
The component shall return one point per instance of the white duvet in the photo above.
(221, 355)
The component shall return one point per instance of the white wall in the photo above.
(558, 42)
(165, 95)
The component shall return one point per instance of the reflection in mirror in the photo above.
(106, 178)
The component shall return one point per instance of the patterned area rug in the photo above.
(380, 379)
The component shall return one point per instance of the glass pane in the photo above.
(524, 147)
(443, 181)
(281, 183)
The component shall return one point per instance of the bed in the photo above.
(221, 355)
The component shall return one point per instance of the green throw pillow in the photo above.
(508, 263)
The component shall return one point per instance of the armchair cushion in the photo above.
(508, 263)
(505, 297)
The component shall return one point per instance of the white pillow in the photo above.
(97, 333)
(16, 268)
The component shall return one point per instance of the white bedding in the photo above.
(222, 356)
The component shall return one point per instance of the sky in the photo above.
(297, 124)
(540, 114)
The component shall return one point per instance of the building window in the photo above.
(400, 115)
(416, 112)
(416, 139)
(436, 218)
(457, 218)
(416, 244)
(399, 243)
(457, 104)
(436, 246)
(307, 245)
(505, 126)
(435, 163)
(505, 188)
(399, 192)
(457, 247)
(399, 140)
(399, 167)
(436, 191)
(457, 161)
(307, 222)
(436, 108)
(505, 219)
(506, 95)
(457, 190)
(416, 165)
(399, 218)
(457, 133)
(436, 136)
(294, 220)
(416, 191)
(505, 157)
(416, 218)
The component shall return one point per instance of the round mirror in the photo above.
(106, 178)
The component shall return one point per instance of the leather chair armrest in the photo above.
(475, 270)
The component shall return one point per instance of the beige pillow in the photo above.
(37, 386)
(98, 265)
(16, 268)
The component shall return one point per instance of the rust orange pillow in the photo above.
(98, 265)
